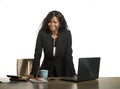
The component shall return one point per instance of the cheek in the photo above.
(48, 24)
(57, 25)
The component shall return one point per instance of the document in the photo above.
(4, 79)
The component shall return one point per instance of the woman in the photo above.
(55, 40)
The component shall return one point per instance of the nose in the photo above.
(52, 24)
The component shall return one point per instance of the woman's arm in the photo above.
(37, 55)
(69, 58)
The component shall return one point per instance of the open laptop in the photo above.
(88, 69)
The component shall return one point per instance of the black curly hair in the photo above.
(60, 17)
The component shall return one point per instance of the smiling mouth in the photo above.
(53, 28)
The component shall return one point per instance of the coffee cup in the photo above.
(43, 73)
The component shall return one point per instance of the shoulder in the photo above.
(66, 32)
(42, 33)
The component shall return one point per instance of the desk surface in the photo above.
(101, 83)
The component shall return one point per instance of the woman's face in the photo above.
(54, 24)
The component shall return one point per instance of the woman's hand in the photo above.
(27, 76)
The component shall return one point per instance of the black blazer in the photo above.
(63, 60)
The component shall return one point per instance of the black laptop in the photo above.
(88, 69)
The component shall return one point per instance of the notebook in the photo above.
(88, 69)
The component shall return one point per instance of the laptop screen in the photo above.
(88, 68)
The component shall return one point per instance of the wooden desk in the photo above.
(101, 83)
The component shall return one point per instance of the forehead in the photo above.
(54, 18)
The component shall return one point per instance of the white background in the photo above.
(94, 25)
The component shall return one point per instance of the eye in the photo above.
(55, 22)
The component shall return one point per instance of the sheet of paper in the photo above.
(4, 79)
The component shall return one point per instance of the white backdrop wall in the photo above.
(94, 25)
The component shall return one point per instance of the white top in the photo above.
(54, 49)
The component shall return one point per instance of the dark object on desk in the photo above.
(51, 79)
(13, 76)
(88, 69)
(16, 78)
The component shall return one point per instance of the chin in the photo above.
(52, 30)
